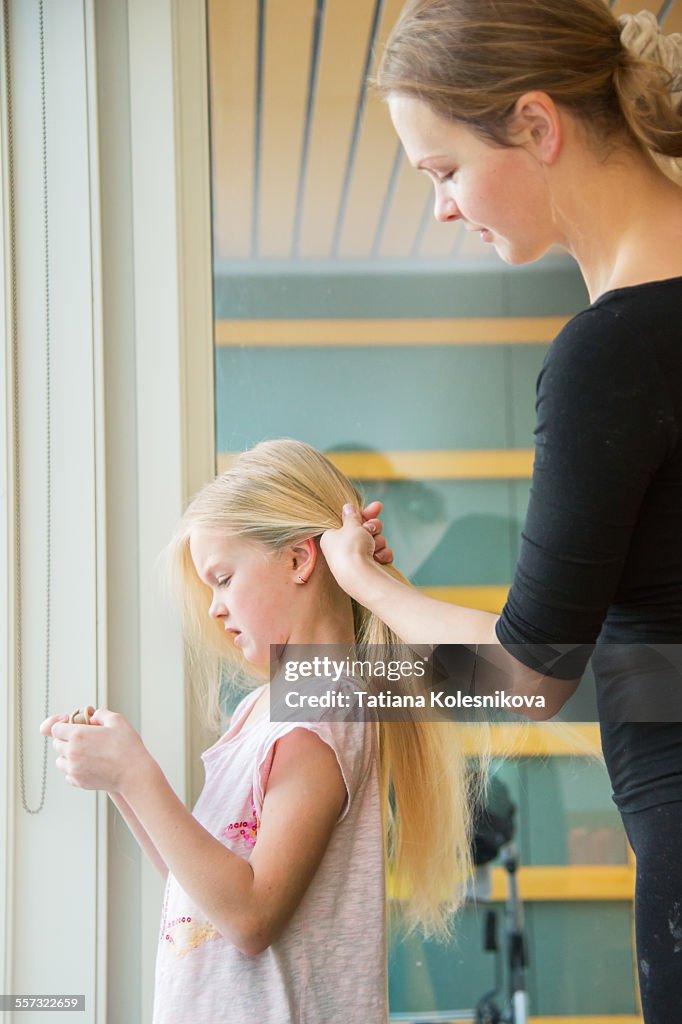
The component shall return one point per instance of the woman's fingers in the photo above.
(373, 526)
(371, 522)
(384, 557)
(372, 510)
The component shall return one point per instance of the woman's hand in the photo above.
(371, 522)
(351, 551)
(107, 754)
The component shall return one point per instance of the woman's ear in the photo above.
(536, 125)
(303, 560)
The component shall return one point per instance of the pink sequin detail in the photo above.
(248, 830)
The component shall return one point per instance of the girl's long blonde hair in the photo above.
(277, 494)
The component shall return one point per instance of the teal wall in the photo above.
(430, 397)
(580, 963)
(580, 958)
(557, 799)
(400, 398)
(265, 292)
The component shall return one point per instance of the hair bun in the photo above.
(641, 35)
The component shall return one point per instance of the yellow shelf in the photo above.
(563, 884)
(587, 1020)
(360, 333)
(568, 884)
(608, 1019)
(485, 599)
(483, 464)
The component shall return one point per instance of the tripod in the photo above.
(517, 1010)
(487, 1010)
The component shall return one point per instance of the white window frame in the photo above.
(150, 295)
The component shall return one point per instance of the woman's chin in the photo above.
(517, 255)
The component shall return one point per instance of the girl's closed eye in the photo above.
(440, 176)
(223, 581)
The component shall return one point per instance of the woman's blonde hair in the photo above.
(471, 60)
(277, 494)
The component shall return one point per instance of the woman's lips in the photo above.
(486, 235)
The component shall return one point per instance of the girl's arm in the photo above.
(135, 826)
(133, 823)
(249, 902)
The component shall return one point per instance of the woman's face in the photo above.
(501, 193)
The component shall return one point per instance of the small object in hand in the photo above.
(83, 717)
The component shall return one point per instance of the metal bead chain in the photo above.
(48, 411)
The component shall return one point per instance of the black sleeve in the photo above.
(599, 439)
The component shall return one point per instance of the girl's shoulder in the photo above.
(351, 738)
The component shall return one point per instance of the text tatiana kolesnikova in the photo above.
(434, 699)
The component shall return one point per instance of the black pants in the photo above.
(656, 839)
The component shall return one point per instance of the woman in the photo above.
(542, 123)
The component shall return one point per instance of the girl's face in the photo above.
(252, 590)
(500, 193)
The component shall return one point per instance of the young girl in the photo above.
(275, 900)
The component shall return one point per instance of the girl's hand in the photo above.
(110, 757)
(371, 522)
(350, 551)
(46, 726)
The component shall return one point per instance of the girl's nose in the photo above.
(217, 608)
(445, 207)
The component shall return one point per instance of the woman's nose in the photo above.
(445, 207)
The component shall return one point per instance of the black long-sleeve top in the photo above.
(601, 552)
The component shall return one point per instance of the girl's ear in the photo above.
(303, 560)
